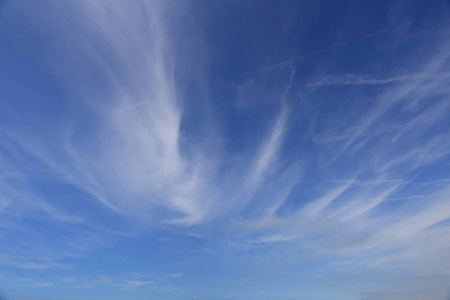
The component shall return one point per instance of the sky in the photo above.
(224, 150)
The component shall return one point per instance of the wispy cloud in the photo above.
(269, 149)
(364, 79)
(312, 209)
(131, 284)
(175, 275)
(342, 164)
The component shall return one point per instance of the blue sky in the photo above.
(224, 150)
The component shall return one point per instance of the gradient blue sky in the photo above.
(224, 150)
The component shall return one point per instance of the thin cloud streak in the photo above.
(364, 79)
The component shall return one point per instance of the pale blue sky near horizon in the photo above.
(224, 150)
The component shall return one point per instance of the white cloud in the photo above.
(315, 207)
(131, 284)
(138, 163)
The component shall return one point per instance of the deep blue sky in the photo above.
(224, 150)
